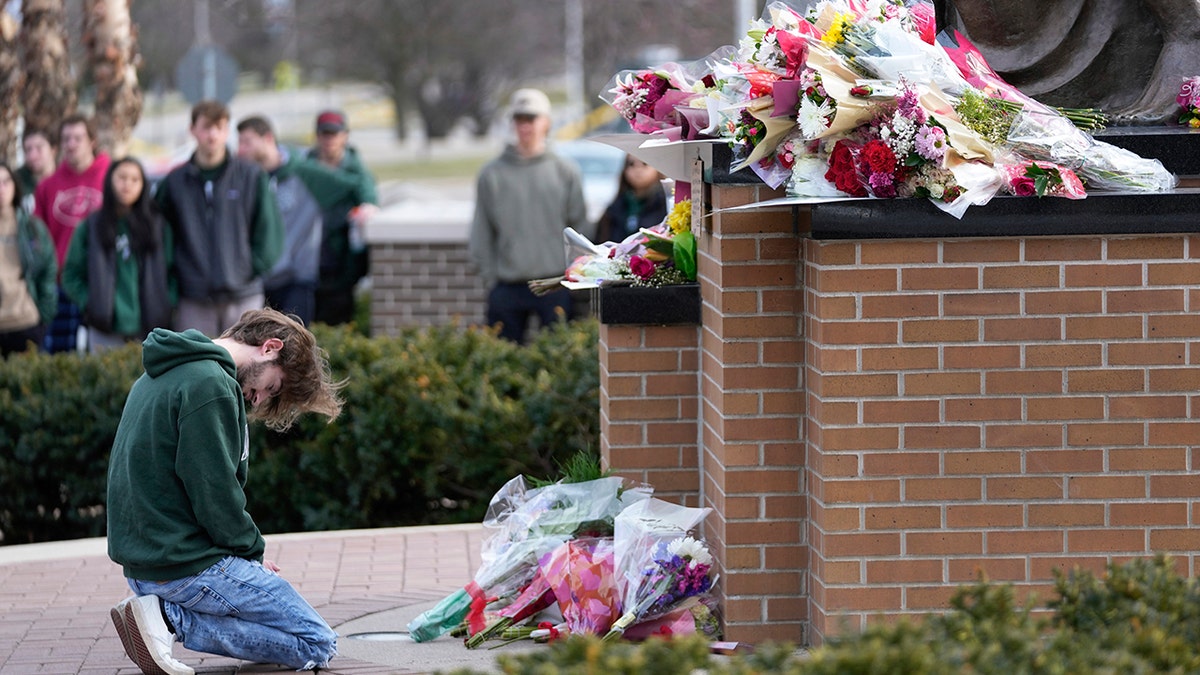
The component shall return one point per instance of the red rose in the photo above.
(879, 157)
(842, 171)
(1023, 186)
(641, 267)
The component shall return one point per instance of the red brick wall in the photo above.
(999, 406)
(881, 421)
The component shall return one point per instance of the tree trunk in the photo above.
(10, 89)
(110, 41)
(48, 92)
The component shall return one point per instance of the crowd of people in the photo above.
(217, 271)
(93, 256)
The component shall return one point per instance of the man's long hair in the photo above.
(308, 385)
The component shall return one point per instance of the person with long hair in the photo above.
(116, 267)
(28, 267)
(640, 202)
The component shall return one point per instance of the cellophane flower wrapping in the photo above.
(532, 598)
(660, 567)
(1048, 136)
(526, 524)
(1189, 100)
(581, 574)
(801, 81)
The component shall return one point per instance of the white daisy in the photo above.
(690, 549)
(813, 118)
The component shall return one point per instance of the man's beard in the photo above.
(247, 374)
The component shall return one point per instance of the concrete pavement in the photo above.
(55, 597)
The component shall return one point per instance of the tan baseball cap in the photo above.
(529, 102)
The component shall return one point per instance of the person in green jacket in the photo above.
(117, 263)
(176, 503)
(345, 257)
(305, 192)
(28, 268)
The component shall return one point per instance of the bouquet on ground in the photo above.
(527, 524)
(536, 596)
(660, 567)
(581, 574)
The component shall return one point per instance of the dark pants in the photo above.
(18, 340)
(61, 334)
(511, 305)
(298, 299)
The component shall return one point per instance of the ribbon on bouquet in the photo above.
(479, 600)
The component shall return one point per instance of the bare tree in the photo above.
(48, 90)
(110, 40)
(10, 88)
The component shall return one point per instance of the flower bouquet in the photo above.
(528, 524)
(1189, 100)
(581, 574)
(660, 568)
(536, 596)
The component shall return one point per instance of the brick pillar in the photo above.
(648, 407)
(752, 409)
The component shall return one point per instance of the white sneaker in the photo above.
(151, 640)
(118, 618)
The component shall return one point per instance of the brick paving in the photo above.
(54, 599)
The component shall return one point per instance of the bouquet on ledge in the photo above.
(661, 569)
(863, 99)
(656, 256)
(1189, 100)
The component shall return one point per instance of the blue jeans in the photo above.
(241, 609)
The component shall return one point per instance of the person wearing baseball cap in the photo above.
(344, 256)
(523, 200)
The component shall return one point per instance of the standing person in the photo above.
(28, 294)
(303, 191)
(40, 149)
(226, 227)
(177, 520)
(344, 255)
(73, 191)
(116, 269)
(640, 202)
(523, 200)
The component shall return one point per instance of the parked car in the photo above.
(601, 166)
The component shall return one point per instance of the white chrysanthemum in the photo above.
(690, 549)
(813, 118)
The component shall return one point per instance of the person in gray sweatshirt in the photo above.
(523, 201)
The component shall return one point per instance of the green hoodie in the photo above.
(176, 475)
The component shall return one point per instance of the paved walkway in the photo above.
(54, 601)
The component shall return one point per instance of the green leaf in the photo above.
(1040, 184)
(685, 254)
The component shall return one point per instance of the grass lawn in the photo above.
(455, 167)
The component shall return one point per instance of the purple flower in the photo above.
(908, 105)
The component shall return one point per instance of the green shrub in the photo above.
(58, 417)
(435, 421)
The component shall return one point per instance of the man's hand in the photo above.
(360, 214)
(271, 566)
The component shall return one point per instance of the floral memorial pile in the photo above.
(598, 557)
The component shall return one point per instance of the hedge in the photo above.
(436, 419)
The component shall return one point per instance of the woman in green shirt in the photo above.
(117, 265)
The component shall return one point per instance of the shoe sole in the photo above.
(141, 653)
(119, 623)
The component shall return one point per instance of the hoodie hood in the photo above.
(163, 350)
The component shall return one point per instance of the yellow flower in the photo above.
(680, 217)
(836, 31)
